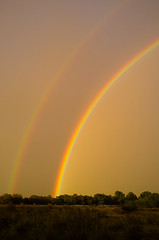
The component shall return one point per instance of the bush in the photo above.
(129, 206)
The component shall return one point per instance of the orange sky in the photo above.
(118, 147)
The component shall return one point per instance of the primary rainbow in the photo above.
(44, 98)
(91, 107)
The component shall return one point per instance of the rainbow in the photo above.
(45, 97)
(91, 107)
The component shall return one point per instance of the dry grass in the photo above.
(77, 222)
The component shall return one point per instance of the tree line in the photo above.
(130, 200)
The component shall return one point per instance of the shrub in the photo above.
(129, 206)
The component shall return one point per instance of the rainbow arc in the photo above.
(48, 91)
(91, 107)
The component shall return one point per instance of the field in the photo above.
(77, 222)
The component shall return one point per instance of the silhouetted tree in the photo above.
(145, 194)
(17, 198)
(98, 199)
(60, 200)
(131, 196)
(153, 200)
(120, 197)
(6, 198)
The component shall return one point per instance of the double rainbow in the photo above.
(45, 97)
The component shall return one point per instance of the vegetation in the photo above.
(54, 222)
(146, 199)
(75, 216)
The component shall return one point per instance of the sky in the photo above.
(73, 48)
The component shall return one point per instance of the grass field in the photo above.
(77, 222)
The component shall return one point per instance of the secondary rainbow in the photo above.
(91, 107)
(45, 97)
